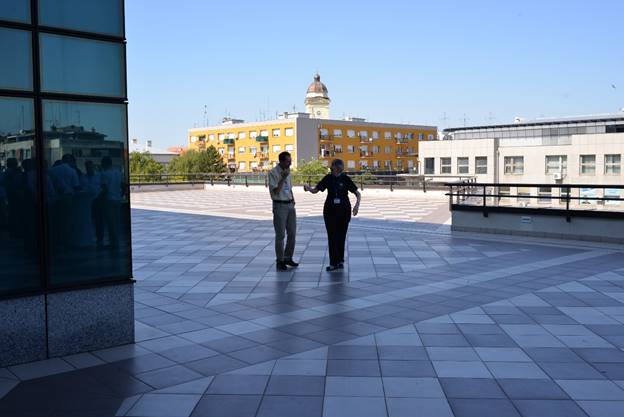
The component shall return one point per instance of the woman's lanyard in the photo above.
(335, 189)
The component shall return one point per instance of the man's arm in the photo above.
(277, 188)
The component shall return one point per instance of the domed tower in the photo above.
(317, 101)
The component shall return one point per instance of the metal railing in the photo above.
(361, 179)
(569, 200)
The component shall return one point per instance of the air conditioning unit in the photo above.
(557, 176)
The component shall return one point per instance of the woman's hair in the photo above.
(337, 163)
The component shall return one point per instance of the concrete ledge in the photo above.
(163, 187)
(90, 319)
(554, 227)
(22, 330)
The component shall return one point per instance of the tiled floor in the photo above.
(422, 322)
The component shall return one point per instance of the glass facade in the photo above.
(64, 206)
(16, 67)
(15, 10)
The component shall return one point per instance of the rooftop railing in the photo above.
(567, 200)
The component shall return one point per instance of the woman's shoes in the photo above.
(334, 267)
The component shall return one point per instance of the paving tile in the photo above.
(288, 406)
(238, 384)
(592, 390)
(341, 386)
(340, 367)
(550, 408)
(40, 369)
(166, 377)
(407, 369)
(418, 407)
(466, 369)
(296, 385)
(227, 406)
(471, 388)
(414, 353)
(570, 370)
(452, 354)
(412, 387)
(483, 407)
(164, 405)
(602, 408)
(310, 367)
(532, 389)
(495, 354)
(352, 352)
(522, 370)
(354, 406)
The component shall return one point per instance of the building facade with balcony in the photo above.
(363, 145)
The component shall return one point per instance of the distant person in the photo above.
(284, 214)
(110, 199)
(64, 178)
(337, 210)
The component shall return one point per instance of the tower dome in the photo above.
(317, 99)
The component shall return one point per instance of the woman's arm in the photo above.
(356, 207)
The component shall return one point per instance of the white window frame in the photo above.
(387, 149)
(276, 148)
(242, 135)
(387, 135)
(264, 133)
(375, 134)
(446, 165)
(276, 133)
(221, 136)
(350, 133)
(463, 165)
(338, 133)
(556, 164)
(514, 165)
(350, 149)
(481, 168)
(253, 134)
(289, 131)
(587, 167)
(614, 166)
(350, 164)
(289, 148)
(338, 148)
(241, 150)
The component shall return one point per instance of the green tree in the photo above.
(309, 172)
(196, 162)
(142, 163)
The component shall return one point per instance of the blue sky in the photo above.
(391, 61)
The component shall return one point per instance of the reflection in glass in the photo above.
(19, 263)
(88, 204)
(98, 16)
(81, 66)
(15, 59)
(15, 10)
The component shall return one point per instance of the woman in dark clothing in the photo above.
(337, 210)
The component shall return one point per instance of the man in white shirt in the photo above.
(284, 214)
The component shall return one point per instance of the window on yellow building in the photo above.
(221, 151)
(338, 133)
(430, 136)
(375, 149)
(350, 164)
(242, 165)
(276, 133)
(290, 148)
(338, 148)
(364, 134)
(241, 150)
(351, 133)
(252, 150)
(421, 136)
(242, 135)
(221, 136)
(388, 149)
(289, 131)
(264, 133)
(350, 148)
(231, 135)
(277, 148)
(253, 134)
(211, 136)
(375, 164)
(387, 135)
(375, 134)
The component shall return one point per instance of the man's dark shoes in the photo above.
(292, 263)
(331, 268)
(281, 266)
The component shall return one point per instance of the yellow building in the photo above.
(362, 145)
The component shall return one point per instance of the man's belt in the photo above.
(283, 201)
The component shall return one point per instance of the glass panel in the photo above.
(16, 61)
(99, 16)
(19, 261)
(88, 207)
(15, 10)
(81, 66)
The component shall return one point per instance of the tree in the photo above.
(142, 163)
(196, 162)
(309, 172)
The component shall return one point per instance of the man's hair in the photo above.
(338, 164)
(282, 156)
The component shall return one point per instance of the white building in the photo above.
(568, 150)
(159, 155)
